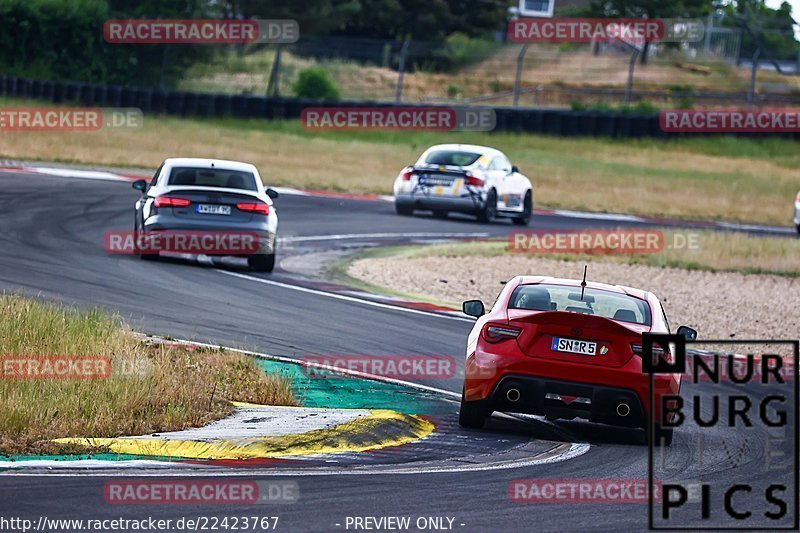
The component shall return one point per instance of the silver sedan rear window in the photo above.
(213, 177)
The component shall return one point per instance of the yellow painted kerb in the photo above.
(381, 429)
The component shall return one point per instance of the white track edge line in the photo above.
(344, 297)
(573, 451)
(343, 236)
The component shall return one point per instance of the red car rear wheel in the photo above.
(472, 414)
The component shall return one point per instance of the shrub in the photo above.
(315, 83)
(643, 107)
(453, 90)
(461, 51)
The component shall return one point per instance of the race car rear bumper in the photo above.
(567, 399)
(458, 204)
(487, 377)
(266, 237)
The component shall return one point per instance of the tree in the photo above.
(772, 29)
(315, 17)
(428, 20)
(63, 40)
(650, 9)
(145, 64)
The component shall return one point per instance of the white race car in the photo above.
(465, 178)
(797, 213)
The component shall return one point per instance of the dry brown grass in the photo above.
(657, 180)
(282, 158)
(729, 179)
(152, 388)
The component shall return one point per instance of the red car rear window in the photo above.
(597, 302)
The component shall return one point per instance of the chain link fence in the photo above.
(468, 71)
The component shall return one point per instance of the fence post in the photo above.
(752, 92)
(275, 74)
(386, 55)
(709, 27)
(518, 76)
(631, 66)
(401, 70)
(162, 82)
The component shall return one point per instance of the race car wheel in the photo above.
(527, 211)
(143, 257)
(471, 414)
(663, 435)
(262, 262)
(404, 210)
(489, 210)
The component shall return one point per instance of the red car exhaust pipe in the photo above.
(623, 409)
(513, 395)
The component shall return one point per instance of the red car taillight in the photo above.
(261, 209)
(658, 352)
(406, 174)
(471, 179)
(168, 201)
(495, 333)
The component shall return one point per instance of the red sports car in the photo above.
(557, 348)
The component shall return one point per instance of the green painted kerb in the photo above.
(334, 391)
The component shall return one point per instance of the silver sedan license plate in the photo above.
(211, 209)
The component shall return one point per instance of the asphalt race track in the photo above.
(51, 230)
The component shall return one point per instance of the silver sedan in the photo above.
(212, 196)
